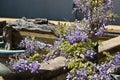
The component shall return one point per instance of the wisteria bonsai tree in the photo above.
(81, 51)
(78, 44)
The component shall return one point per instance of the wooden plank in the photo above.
(51, 21)
(33, 34)
(109, 44)
(113, 27)
(109, 27)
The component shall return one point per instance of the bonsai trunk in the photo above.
(94, 39)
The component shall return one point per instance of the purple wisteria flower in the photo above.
(40, 45)
(95, 77)
(63, 55)
(20, 66)
(31, 45)
(68, 77)
(79, 75)
(57, 43)
(75, 78)
(83, 74)
(90, 54)
(76, 36)
(96, 14)
(34, 66)
(104, 71)
(117, 58)
(99, 32)
(24, 65)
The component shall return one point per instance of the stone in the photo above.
(40, 24)
(4, 70)
(109, 44)
(40, 21)
(52, 71)
(11, 31)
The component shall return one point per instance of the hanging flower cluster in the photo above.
(96, 12)
(76, 36)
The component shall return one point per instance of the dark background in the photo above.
(51, 9)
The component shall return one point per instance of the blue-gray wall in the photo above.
(51, 9)
(116, 9)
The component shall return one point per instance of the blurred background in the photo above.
(50, 9)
